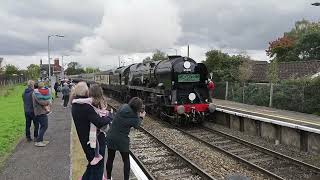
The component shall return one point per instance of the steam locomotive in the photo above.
(174, 89)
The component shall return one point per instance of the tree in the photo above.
(147, 59)
(283, 49)
(74, 68)
(92, 70)
(301, 43)
(33, 71)
(308, 46)
(245, 69)
(223, 66)
(11, 70)
(159, 55)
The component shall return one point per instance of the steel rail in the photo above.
(254, 146)
(265, 150)
(193, 166)
(230, 154)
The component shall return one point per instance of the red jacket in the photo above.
(211, 85)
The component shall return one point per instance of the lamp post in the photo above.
(56, 35)
(63, 65)
(316, 4)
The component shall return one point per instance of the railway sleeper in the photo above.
(173, 172)
(230, 146)
(249, 155)
(168, 166)
(233, 151)
(259, 160)
(221, 142)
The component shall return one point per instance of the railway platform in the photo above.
(288, 127)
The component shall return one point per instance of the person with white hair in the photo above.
(83, 115)
(29, 112)
(66, 94)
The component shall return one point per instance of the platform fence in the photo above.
(11, 80)
(300, 98)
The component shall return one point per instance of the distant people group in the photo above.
(97, 127)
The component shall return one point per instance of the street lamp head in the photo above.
(316, 4)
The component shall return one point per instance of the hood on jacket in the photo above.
(28, 90)
(126, 112)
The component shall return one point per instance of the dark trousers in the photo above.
(43, 122)
(29, 118)
(65, 100)
(56, 92)
(126, 163)
(95, 172)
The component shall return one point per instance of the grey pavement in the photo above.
(29, 162)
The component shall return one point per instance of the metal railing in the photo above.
(301, 98)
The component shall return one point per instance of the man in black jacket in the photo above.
(28, 111)
(83, 115)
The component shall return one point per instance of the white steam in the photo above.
(132, 26)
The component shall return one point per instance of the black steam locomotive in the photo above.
(174, 89)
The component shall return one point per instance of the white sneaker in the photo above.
(40, 144)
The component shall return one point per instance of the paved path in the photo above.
(29, 162)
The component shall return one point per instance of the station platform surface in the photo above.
(303, 119)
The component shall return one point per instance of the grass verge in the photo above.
(12, 119)
(78, 160)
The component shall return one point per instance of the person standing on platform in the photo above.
(129, 115)
(56, 88)
(66, 94)
(83, 115)
(28, 111)
(211, 87)
(41, 109)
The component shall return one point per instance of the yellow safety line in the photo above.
(283, 117)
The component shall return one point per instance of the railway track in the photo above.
(159, 161)
(162, 161)
(274, 164)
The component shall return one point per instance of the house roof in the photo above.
(55, 68)
(259, 71)
(286, 70)
(298, 69)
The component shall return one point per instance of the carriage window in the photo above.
(188, 77)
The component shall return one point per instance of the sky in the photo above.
(98, 33)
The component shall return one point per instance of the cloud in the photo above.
(25, 25)
(240, 24)
(134, 26)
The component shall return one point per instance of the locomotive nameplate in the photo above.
(188, 77)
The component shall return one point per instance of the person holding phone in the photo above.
(128, 116)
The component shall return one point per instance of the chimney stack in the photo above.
(56, 62)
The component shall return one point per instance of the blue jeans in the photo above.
(43, 122)
(29, 118)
